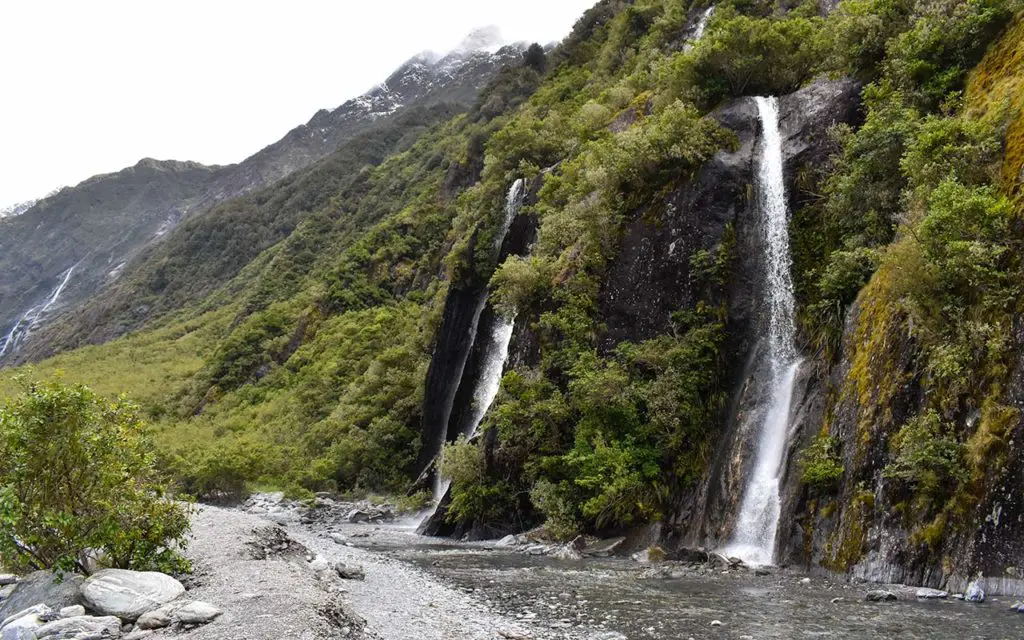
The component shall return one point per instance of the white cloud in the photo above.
(92, 87)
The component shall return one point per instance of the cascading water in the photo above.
(24, 326)
(494, 357)
(702, 24)
(758, 521)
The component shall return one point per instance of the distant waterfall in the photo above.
(758, 522)
(702, 25)
(495, 351)
(31, 318)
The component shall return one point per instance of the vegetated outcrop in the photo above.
(112, 229)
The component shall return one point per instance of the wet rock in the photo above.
(80, 627)
(196, 613)
(42, 587)
(74, 611)
(762, 572)
(932, 594)
(8, 578)
(974, 593)
(129, 594)
(880, 596)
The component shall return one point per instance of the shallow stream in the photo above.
(619, 598)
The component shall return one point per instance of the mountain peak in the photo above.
(487, 38)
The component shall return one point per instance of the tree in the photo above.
(536, 58)
(77, 472)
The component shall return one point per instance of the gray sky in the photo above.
(90, 87)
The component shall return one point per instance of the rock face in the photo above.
(129, 594)
(651, 278)
(43, 587)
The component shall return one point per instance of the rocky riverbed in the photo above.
(333, 572)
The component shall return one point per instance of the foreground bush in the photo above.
(76, 473)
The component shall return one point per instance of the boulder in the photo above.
(932, 594)
(880, 596)
(974, 593)
(319, 564)
(604, 548)
(23, 624)
(80, 627)
(195, 613)
(8, 578)
(129, 594)
(346, 572)
(74, 611)
(357, 515)
(43, 587)
(156, 619)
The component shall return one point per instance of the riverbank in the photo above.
(436, 589)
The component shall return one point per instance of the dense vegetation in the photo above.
(79, 474)
(307, 369)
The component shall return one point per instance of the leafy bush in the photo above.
(927, 458)
(820, 464)
(78, 473)
(743, 55)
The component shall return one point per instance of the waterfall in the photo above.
(495, 353)
(31, 318)
(758, 522)
(702, 25)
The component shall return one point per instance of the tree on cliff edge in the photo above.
(77, 472)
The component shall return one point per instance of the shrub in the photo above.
(820, 465)
(927, 459)
(78, 473)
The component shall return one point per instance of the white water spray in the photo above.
(702, 24)
(758, 522)
(495, 355)
(31, 318)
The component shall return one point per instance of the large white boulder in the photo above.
(129, 594)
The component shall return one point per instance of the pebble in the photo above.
(716, 623)
(805, 581)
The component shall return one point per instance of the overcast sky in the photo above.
(93, 86)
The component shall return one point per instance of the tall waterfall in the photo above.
(758, 522)
(495, 352)
(31, 318)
